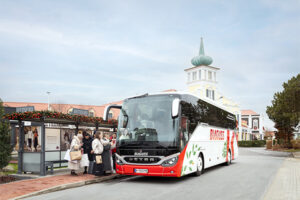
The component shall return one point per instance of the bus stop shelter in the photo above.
(38, 161)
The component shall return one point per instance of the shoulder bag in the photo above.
(75, 155)
(98, 159)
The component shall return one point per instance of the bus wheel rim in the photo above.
(199, 164)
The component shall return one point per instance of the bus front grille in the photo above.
(142, 159)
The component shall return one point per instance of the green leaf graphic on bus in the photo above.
(191, 157)
(224, 149)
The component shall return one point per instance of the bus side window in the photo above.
(190, 113)
(184, 131)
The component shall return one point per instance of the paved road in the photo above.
(246, 178)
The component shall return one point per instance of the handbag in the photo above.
(98, 159)
(75, 155)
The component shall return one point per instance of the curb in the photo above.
(296, 155)
(69, 186)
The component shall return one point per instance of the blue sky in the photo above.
(94, 52)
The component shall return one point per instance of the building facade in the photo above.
(253, 121)
(297, 132)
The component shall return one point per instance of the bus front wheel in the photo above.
(200, 165)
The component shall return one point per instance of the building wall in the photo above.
(258, 131)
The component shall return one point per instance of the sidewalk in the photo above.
(296, 154)
(42, 185)
(286, 184)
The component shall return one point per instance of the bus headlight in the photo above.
(119, 161)
(170, 162)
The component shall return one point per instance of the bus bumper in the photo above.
(149, 170)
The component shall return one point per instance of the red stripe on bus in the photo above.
(227, 145)
(180, 161)
(232, 148)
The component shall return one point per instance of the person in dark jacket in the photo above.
(106, 155)
(87, 148)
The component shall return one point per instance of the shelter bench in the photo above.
(49, 164)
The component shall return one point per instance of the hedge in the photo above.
(253, 143)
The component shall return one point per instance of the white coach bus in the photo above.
(173, 134)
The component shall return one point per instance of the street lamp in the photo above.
(48, 100)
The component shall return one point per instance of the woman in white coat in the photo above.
(97, 150)
(75, 145)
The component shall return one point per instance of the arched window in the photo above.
(91, 113)
(70, 111)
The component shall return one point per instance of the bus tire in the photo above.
(229, 158)
(200, 165)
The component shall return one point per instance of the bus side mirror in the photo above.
(107, 109)
(175, 107)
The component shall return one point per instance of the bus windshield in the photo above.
(147, 121)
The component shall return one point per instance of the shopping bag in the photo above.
(84, 162)
(75, 155)
(67, 155)
(98, 159)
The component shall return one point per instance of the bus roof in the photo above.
(184, 93)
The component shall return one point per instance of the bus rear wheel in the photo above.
(200, 165)
(229, 158)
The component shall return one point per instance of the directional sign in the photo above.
(25, 109)
(77, 111)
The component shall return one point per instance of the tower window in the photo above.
(199, 73)
(209, 75)
(194, 76)
(189, 77)
(215, 76)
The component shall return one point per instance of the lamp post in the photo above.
(48, 100)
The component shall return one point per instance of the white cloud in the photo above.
(39, 33)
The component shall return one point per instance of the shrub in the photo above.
(296, 144)
(5, 147)
(276, 147)
(269, 144)
(253, 143)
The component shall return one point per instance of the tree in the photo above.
(5, 147)
(285, 109)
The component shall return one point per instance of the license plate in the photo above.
(141, 171)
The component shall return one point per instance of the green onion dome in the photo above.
(201, 59)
